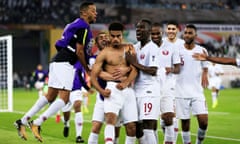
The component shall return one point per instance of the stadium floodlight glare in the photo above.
(6, 75)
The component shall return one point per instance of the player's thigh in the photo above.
(167, 104)
(183, 108)
(199, 106)
(61, 75)
(98, 112)
(129, 109)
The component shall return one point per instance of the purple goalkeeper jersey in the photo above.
(76, 32)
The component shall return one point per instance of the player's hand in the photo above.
(168, 70)
(120, 72)
(151, 70)
(106, 93)
(122, 85)
(204, 81)
(91, 91)
(200, 56)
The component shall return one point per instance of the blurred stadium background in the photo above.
(36, 24)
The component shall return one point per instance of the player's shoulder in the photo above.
(128, 47)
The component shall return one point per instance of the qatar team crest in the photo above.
(142, 56)
(165, 52)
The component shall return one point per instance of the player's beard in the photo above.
(189, 41)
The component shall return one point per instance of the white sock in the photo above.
(130, 140)
(78, 123)
(85, 101)
(40, 93)
(186, 137)
(66, 123)
(169, 134)
(214, 96)
(53, 108)
(200, 135)
(116, 140)
(143, 139)
(175, 123)
(156, 135)
(93, 138)
(40, 103)
(109, 134)
(162, 124)
(150, 136)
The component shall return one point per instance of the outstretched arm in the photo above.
(221, 60)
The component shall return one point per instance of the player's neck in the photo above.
(143, 43)
(85, 19)
(189, 46)
(172, 40)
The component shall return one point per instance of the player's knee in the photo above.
(131, 129)
(139, 129)
(168, 118)
(96, 127)
(77, 106)
(203, 124)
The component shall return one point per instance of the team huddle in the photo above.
(136, 84)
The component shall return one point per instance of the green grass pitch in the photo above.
(223, 126)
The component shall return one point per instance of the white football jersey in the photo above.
(147, 56)
(188, 84)
(214, 70)
(238, 62)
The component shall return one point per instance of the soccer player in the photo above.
(146, 85)
(75, 44)
(102, 41)
(119, 97)
(220, 60)
(215, 70)
(193, 77)
(75, 101)
(170, 60)
(172, 40)
(39, 77)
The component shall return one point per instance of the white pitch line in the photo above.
(222, 138)
(207, 136)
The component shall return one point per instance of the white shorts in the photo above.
(74, 96)
(184, 107)
(98, 112)
(61, 75)
(167, 104)
(148, 108)
(167, 101)
(39, 85)
(121, 102)
(148, 101)
(215, 82)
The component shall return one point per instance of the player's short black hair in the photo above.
(191, 26)
(173, 22)
(116, 26)
(148, 22)
(85, 5)
(156, 24)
